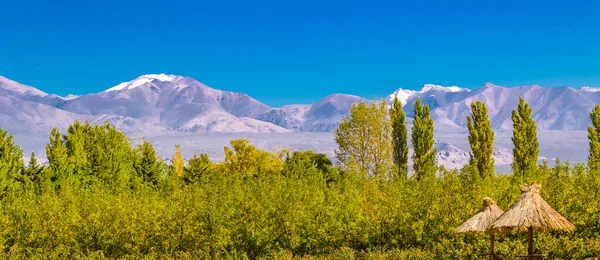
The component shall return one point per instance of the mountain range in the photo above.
(160, 105)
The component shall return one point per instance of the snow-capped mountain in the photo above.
(322, 116)
(168, 105)
(177, 102)
(18, 88)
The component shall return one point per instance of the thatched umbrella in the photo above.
(530, 212)
(482, 220)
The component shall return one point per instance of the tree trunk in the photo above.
(493, 255)
(530, 241)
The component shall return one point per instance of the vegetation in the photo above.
(481, 139)
(99, 197)
(594, 139)
(399, 138)
(364, 139)
(526, 147)
(424, 150)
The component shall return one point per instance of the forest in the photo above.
(99, 196)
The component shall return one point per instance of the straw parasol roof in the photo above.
(530, 210)
(482, 220)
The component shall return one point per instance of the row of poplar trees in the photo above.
(374, 140)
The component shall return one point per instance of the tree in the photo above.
(56, 152)
(109, 156)
(364, 139)
(424, 150)
(594, 141)
(197, 167)
(148, 166)
(399, 138)
(178, 162)
(11, 161)
(481, 139)
(301, 162)
(34, 171)
(244, 158)
(75, 142)
(526, 147)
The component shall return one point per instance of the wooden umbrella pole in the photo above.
(493, 256)
(530, 241)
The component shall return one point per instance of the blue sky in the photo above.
(282, 52)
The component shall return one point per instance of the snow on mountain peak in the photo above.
(428, 87)
(143, 80)
(20, 88)
(402, 94)
(590, 89)
(71, 96)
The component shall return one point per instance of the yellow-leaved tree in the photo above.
(364, 139)
(178, 162)
(244, 158)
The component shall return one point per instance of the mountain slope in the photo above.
(180, 103)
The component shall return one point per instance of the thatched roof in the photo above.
(530, 210)
(481, 221)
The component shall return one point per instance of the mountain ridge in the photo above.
(163, 105)
(151, 97)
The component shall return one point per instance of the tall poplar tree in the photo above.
(399, 138)
(594, 140)
(526, 147)
(423, 142)
(363, 139)
(481, 139)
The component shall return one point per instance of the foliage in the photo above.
(423, 143)
(594, 140)
(147, 164)
(364, 139)
(262, 205)
(178, 162)
(399, 138)
(245, 159)
(11, 162)
(481, 139)
(198, 166)
(526, 147)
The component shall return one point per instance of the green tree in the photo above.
(399, 138)
(424, 151)
(301, 161)
(526, 147)
(594, 140)
(33, 172)
(110, 156)
(58, 160)
(11, 161)
(148, 165)
(481, 139)
(75, 142)
(197, 167)
(364, 139)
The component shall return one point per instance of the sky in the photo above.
(282, 51)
